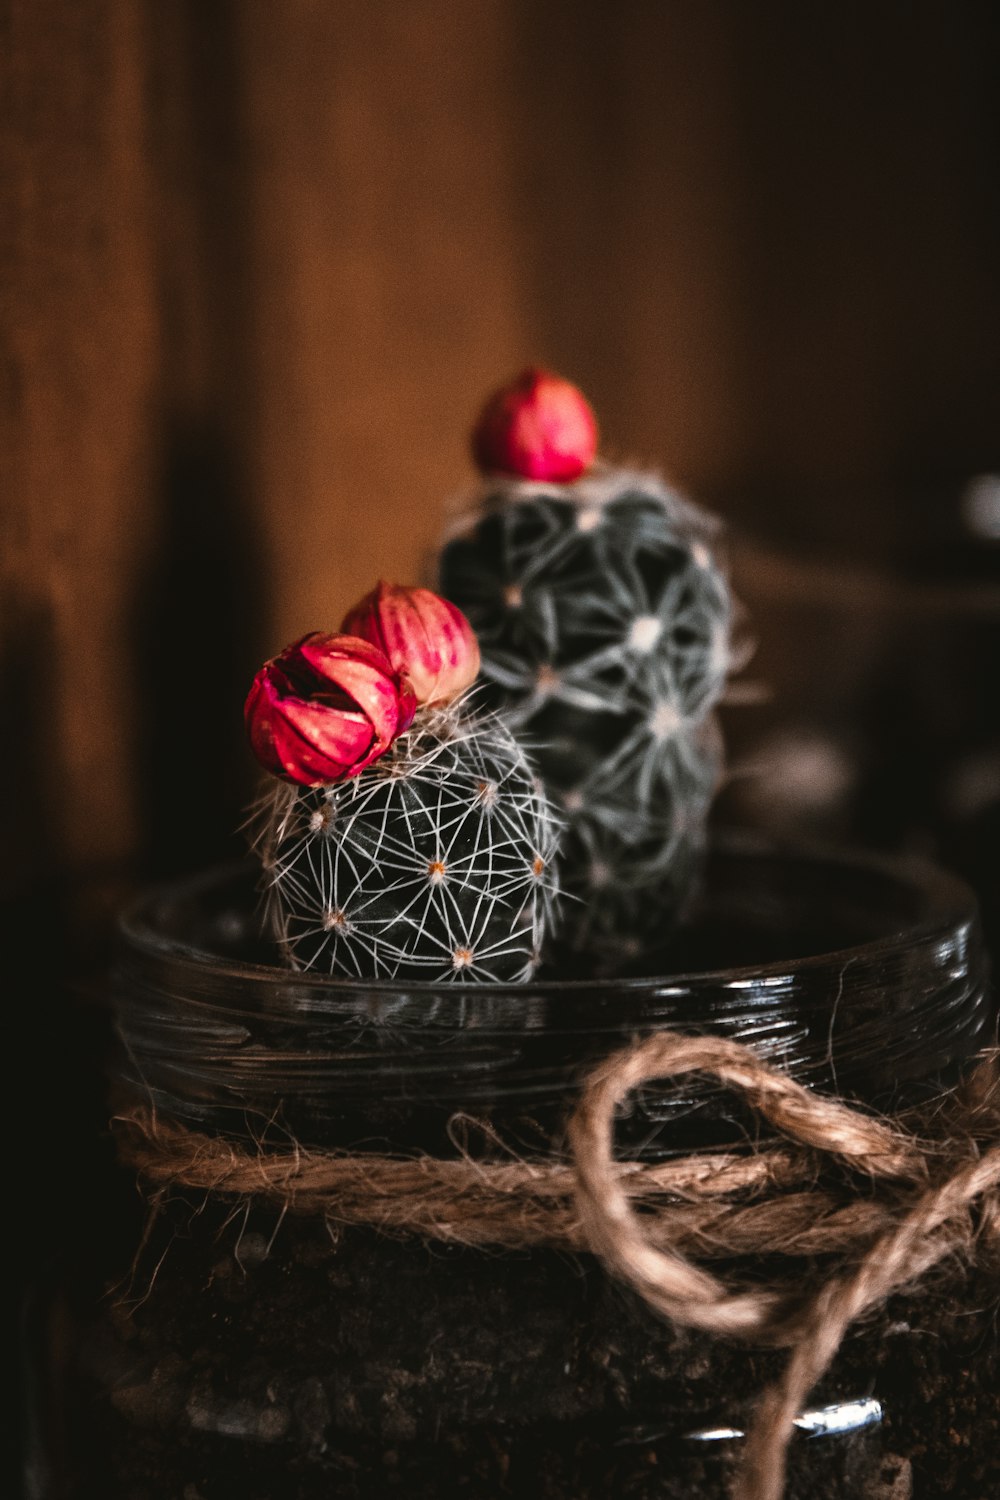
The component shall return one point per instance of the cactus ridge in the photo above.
(614, 606)
(437, 862)
(604, 620)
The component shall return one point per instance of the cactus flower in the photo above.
(325, 708)
(537, 427)
(427, 640)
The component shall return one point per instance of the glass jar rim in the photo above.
(212, 1036)
(943, 900)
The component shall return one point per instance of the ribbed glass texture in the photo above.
(853, 974)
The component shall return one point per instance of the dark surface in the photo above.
(369, 1365)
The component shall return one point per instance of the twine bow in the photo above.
(936, 1181)
(907, 1243)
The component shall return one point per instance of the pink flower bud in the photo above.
(325, 708)
(427, 640)
(538, 427)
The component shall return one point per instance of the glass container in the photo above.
(243, 1351)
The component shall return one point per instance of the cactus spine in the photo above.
(437, 862)
(603, 620)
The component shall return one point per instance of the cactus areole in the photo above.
(404, 837)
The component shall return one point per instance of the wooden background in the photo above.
(261, 261)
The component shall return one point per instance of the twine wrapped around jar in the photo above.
(933, 1190)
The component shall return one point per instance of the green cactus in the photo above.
(603, 619)
(437, 862)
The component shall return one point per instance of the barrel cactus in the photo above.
(404, 836)
(603, 617)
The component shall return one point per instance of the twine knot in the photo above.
(933, 1189)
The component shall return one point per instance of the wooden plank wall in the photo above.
(260, 262)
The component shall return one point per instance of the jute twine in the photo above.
(931, 1190)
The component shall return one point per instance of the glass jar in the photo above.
(246, 1351)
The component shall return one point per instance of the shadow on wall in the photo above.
(54, 1039)
(199, 611)
(29, 693)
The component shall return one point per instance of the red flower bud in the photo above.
(538, 427)
(325, 708)
(427, 640)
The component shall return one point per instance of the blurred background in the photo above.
(260, 265)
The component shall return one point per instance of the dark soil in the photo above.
(310, 1370)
